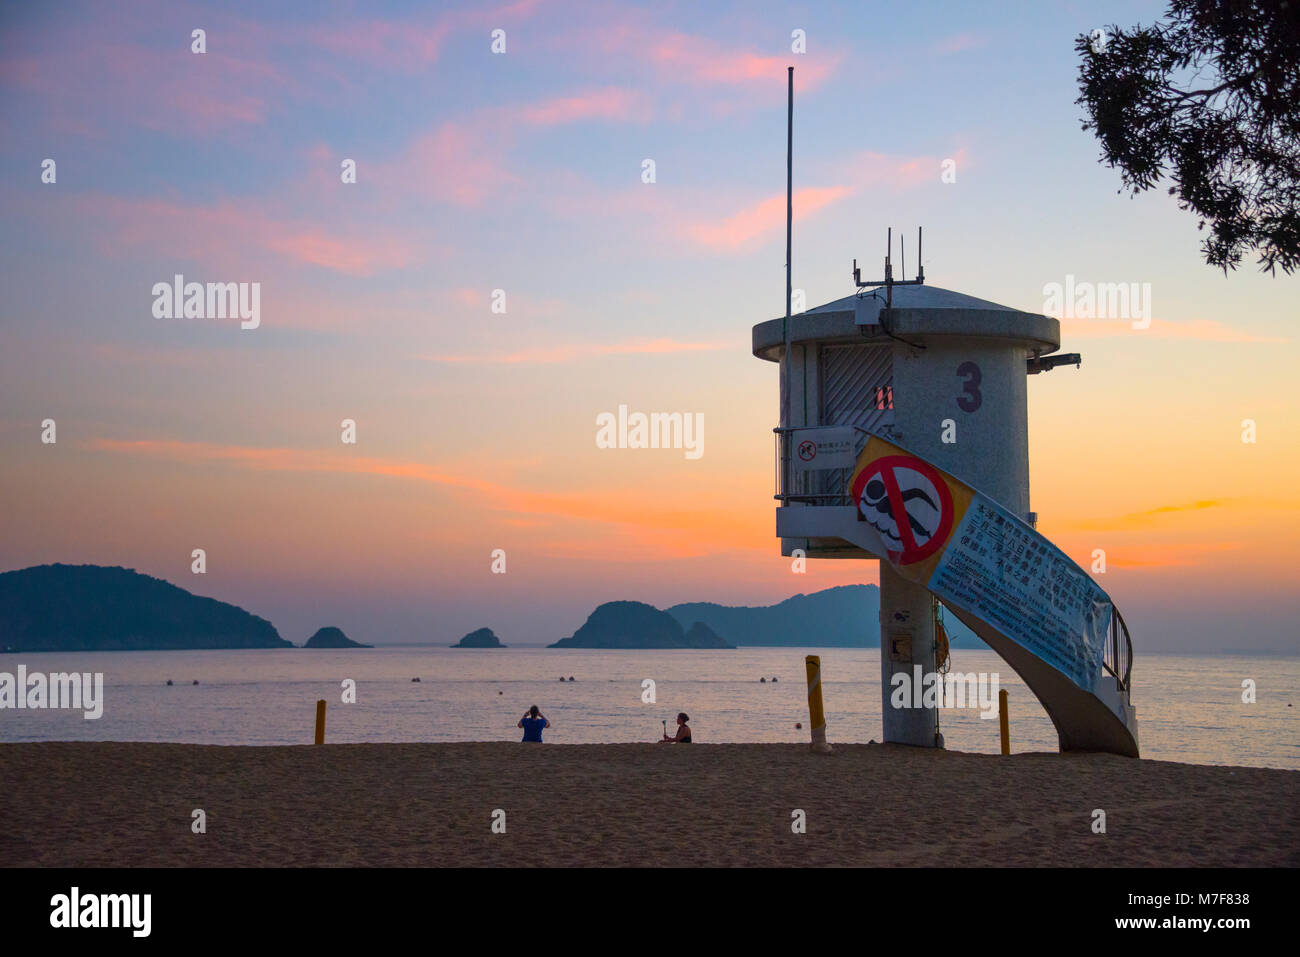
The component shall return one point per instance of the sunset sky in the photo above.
(522, 171)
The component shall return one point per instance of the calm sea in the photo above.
(1189, 707)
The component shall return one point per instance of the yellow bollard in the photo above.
(320, 721)
(816, 713)
(1002, 720)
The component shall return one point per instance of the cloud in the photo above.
(752, 223)
(413, 45)
(694, 60)
(1180, 555)
(885, 170)
(405, 47)
(1147, 517)
(458, 163)
(232, 235)
(622, 38)
(609, 103)
(93, 77)
(961, 41)
(652, 522)
(1205, 330)
(766, 217)
(463, 162)
(353, 257)
(567, 353)
(1185, 507)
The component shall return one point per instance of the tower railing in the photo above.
(829, 486)
(1118, 658)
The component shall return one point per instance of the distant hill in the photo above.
(107, 608)
(844, 616)
(634, 624)
(482, 638)
(331, 637)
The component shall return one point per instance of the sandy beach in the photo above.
(129, 804)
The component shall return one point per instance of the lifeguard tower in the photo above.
(936, 379)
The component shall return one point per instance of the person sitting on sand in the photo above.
(533, 722)
(683, 735)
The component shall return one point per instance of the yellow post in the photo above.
(1002, 720)
(816, 713)
(320, 721)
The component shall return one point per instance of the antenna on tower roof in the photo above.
(889, 282)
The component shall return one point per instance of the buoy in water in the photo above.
(798, 725)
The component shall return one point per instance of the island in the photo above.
(634, 624)
(108, 608)
(482, 638)
(331, 637)
(845, 616)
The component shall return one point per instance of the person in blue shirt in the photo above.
(533, 723)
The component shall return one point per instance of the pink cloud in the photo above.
(464, 162)
(232, 235)
(697, 60)
(411, 46)
(624, 508)
(755, 221)
(1205, 330)
(900, 172)
(353, 257)
(689, 60)
(456, 163)
(765, 218)
(961, 41)
(610, 103)
(402, 46)
(98, 77)
(566, 353)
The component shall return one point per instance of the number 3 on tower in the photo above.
(971, 387)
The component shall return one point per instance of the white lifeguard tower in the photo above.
(904, 438)
(942, 375)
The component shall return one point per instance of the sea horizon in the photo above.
(1192, 709)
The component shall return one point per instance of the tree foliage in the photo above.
(1208, 100)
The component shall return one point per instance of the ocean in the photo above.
(1190, 707)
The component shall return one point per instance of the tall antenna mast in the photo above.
(789, 193)
(787, 413)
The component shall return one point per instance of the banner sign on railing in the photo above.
(828, 447)
(976, 556)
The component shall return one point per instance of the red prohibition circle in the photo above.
(885, 468)
(808, 450)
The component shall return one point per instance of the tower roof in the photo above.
(916, 297)
(918, 311)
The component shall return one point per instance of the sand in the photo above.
(129, 804)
